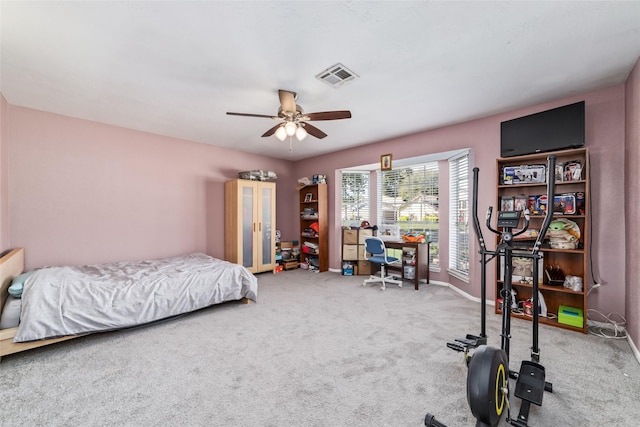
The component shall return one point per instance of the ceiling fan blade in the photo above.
(287, 100)
(328, 115)
(314, 131)
(272, 130)
(253, 115)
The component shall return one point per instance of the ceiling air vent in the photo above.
(337, 75)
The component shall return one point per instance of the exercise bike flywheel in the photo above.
(487, 384)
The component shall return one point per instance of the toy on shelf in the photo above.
(563, 234)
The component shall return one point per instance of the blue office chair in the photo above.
(375, 246)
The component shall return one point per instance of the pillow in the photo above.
(18, 283)
(10, 317)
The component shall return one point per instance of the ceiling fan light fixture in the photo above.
(301, 133)
(290, 128)
(281, 133)
(292, 119)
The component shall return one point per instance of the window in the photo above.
(459, 216)
(355, 198)
(408, 198)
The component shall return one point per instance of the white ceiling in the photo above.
(175, 68)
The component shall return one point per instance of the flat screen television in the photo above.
(556, 129)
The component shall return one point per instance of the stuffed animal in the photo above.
(563, 234)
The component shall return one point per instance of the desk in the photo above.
(421, 257)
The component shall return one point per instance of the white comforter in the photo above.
(58, 301)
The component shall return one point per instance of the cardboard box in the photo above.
(350, 237)
(290, 265)
(350, 252)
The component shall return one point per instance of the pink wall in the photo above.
(632, 209)
(4, 174)
(84, 192)
(604, 138)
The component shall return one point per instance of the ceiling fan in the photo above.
(293, 120)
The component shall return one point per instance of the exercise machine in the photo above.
(488, 370)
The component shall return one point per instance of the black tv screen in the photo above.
(556, 129)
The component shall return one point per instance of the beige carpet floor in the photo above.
(316, 350)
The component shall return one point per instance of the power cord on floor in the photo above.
(610, 326)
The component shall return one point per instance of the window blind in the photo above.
(355, 198)
(459, 215)
(408, 197)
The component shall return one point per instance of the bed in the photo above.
(61, 303)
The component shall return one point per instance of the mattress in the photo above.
(60, 301)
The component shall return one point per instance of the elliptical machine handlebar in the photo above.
(489, 214)
(551, 185)
(476, 223)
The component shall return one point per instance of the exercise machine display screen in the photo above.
(509, 219)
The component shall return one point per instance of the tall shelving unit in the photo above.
(250, 218)
(313, 209)
(572, 262)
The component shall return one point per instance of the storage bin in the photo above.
(364, 268)
(409, 272)
(350, 237)
(363, 234)
(350, 252)
(347, 269)
(571, 316)
(362, 253)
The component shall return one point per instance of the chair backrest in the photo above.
(375, 246)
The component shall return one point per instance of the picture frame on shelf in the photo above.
(385, 162)
(308, 197)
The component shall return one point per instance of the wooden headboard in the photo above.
(11, 265)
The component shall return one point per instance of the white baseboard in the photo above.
(633, 348)
(459, 291)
